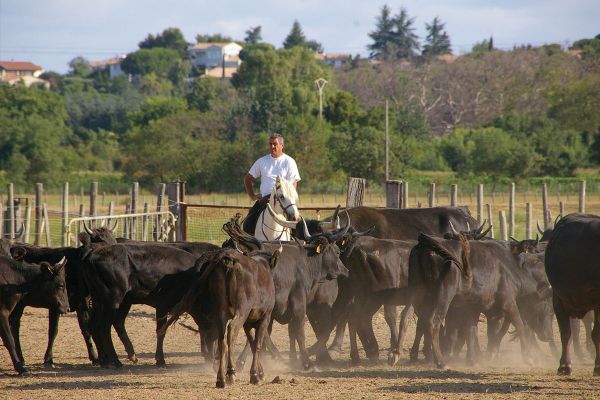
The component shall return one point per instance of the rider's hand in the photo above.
(256, 197)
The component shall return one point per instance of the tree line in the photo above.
(489, 114)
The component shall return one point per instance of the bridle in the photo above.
(285, 208)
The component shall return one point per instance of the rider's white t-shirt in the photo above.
(267, 168)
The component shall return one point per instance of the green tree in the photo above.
(343, 108)
(485, 46)
(34, 139)
(214, 38)
(295, 37)
(359, 152)
(164, 63)
(404, 39)
(80, 67)
(155, 108)
(170, 38)
(437, 41)
(382, 35)
(254, 35)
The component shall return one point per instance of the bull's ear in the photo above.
(85, 239)
(318, 248)
(275, 257)
(18, 252)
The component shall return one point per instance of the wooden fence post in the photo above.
(511, 210)
(355, 194)
(490, 219)
(528, 220)
(545, 206)
(47, 223)
(93, 197)
(480, 203)
(453, 195)
(432, 201)
(392, 194)
(65, 214)
(582, 196)
(173, 190)
(159, 204)
(11, 211)
(502, 218)
(27, 225)
(404, 203)
(39, 190)
(135, 188)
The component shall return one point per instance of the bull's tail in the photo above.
(464, 265)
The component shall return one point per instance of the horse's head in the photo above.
(285, 198)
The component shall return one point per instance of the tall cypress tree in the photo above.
(437, 41)
(405, 41)
(382, 35)
(295, 37)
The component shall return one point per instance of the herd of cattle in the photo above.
(437, 262)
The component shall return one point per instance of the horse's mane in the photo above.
(288, 189)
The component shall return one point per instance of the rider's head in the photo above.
(276, 145)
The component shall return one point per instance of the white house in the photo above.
(25, 72)
(210, 55)
(113, 65)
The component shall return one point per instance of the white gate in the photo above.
(158, 226)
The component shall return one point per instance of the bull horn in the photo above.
(334, 219)
(341, 232)
(454, 231)
(307, 235)
(478, 230)
(513, 239)
(279, 220)
(113, 229)
(60, 264)
(483, 234)
(540, 230)
(20, 233)
(87, 228)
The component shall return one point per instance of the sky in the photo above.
(50, 33)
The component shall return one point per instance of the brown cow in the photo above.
(232, 290)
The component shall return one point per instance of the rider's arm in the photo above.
(248, 184)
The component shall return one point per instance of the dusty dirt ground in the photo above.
(188, 376)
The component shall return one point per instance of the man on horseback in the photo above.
(267, 168)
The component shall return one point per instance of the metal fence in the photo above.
(205, 222)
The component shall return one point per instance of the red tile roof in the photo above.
(19, 66)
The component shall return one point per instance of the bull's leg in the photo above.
(588, 321)
(338, 340)
(270, 346)
(407, 313)
(445, 294)
(596, 339)
(232, 332)
(259, 336)
(53, 318)
(222, 338)
(364, 328)
(512, 312)
(390, 313)
(319, 317)
(241, 361)
(101, 328)
(419, 333)
(292, 335)
(296, 326)
(564, 327)
(15, 327)
(161, 322)
(119, 324)
(354, 356)
(9, 343)
(576, 333)
(83, 319)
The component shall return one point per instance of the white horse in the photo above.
(283, 204)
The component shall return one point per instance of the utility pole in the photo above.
(320, 85)
(387, 143)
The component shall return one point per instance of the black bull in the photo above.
(476, 277)
(391, 223)
(573, 267)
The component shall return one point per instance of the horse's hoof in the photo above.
(133, 358)
(254, 379)
(220, 385)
